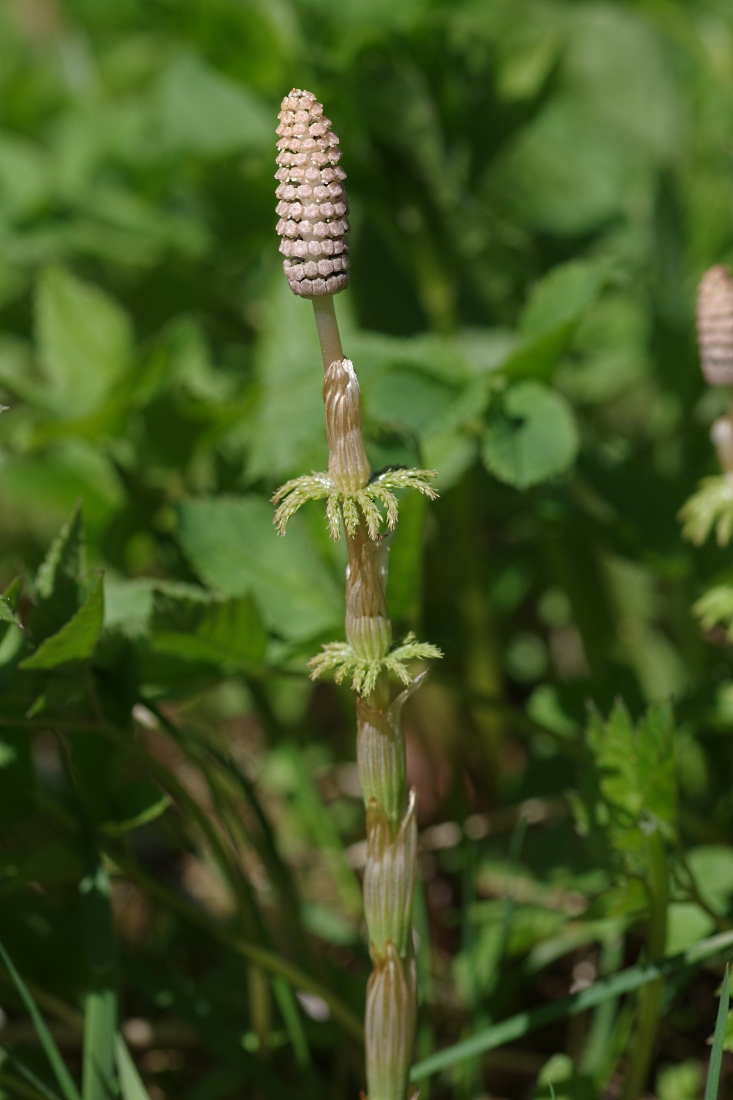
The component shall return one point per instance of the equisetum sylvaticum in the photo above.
(313, 226)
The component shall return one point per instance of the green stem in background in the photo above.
(482, 669)
(650, 998)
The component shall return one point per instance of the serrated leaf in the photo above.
(531, 435)
(232, 543)
(635, 780)
(76, 639)
(84, 341)
(207, 630)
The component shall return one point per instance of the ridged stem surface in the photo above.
(391, 867)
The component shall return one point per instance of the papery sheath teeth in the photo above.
(308, 151)
(390, 876)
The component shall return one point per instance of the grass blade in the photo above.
(32, 1079)
(716, 1054)
(626, 981)
(19, 1088)
(100, 1007)
(131, 1085)
(291, 1018)
(61, 1073)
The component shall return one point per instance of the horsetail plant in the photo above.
(313, 226)
(712, 505)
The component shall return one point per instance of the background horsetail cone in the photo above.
(312, 204)
(715, 325)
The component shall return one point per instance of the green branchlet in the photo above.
(711, 506)
(339, 658)
(379, 490)
(715, 608)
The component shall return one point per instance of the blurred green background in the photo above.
(536, 187)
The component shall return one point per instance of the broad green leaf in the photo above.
(712, 866)
(531, 435)
(404, 586)
(232, 544)
(205, 112)
(131, 1085)
(560, 298)
(288, 431)
(207, 630)
(406, 397)
(41, 487)
(550, 317)
(25, 176)
(84, 341)
(76, 639)
(62, 1075)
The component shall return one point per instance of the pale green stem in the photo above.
(650, 998)
(328, 330)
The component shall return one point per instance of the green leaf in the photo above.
(550, 317)
(8, 607)
(9, 602)
(288, 433)
(84, 341)
(202, 629)
(633, 783)
(232, 544)
(530, 436)
(606, 989)
(288, 1006)
(131, 1085)
(204, 112)
(716, 1054)
(100, 1022)
(76, 639)
(405, 583)
(63, 1077)
(60, 576)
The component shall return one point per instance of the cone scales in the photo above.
(715, 325)
(312, 203)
